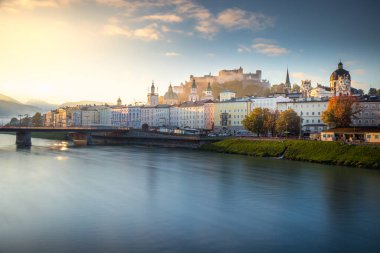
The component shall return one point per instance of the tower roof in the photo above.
(194, 86)
(287, 82)
(340, 72)
(209, 87)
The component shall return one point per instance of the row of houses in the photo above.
(206, 114)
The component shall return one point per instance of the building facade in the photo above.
(228, 115)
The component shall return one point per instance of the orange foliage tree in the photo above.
(340, 111)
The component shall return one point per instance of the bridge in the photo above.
(80, 135)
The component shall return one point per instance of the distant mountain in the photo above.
(44, 106)
(8, 99)
(11, 109)
(84, 102)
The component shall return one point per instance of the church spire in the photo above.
(287, 82)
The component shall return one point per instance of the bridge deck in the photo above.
(62, 129)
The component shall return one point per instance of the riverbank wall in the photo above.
(310, 151)
(152, 139)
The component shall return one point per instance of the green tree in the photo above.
(145, 127)
(288, 123)
(13, 122)
(372, 92)
(340, 111)
(37, 119)
(256, 121)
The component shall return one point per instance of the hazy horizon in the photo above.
(70, 50)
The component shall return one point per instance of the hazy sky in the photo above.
(65, 50)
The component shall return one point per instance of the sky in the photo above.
(71, 50)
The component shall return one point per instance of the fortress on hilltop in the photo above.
(225, 76)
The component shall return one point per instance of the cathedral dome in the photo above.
(170, 94)
(340, 72)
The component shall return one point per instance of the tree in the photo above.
(13, 122)
(145, 127)
(271, 121)
(288, 123)
(372, 92)
(340, 111)
(378, 92)
(296, 88)
(255, 121)
(37, 119)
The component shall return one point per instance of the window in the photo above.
(368, 136)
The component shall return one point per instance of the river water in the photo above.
(143, 199)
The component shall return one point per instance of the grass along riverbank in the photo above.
(310, 151)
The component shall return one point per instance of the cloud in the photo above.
(139, 13)
(360, 85)
(148, 33)
(235, 18)
(299, 75)
(242, 49)
(268, 47)
(360, 72)
(167, 18)
(172, 54)
(16, 5)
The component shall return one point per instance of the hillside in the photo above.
(241, 88)
(42, 105)
(82, 103)
(8, 99)
(12, 109)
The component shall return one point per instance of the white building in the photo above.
(227, 95)
(105, 116)
(90, 117)
(268, 102)
(321, 92)
(310, 111)
(155, 116)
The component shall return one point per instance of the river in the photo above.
(55, 198)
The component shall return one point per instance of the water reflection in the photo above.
(57, 198)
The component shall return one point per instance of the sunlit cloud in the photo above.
(148, 33)
(15, 5)
(235, 18)
(172, 54)
(360, 72)
(268, 47)
(168, 18)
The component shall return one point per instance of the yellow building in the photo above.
(228, 115)
(352, 135)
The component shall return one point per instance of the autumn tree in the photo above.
(37, 119)
(340, 111)
(256, 121)
(296, 88)
(271, 121)
(288, 123)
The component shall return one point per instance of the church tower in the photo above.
(340, 81)
(208, 93)
(193, 94)
(288, 86)
(118, 102)
(152, 96)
